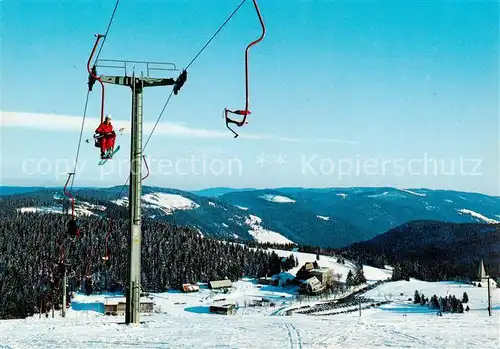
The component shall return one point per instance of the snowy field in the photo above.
(374, 329)
(184, 321)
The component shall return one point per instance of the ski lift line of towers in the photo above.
(137, 85)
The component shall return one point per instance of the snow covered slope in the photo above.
(277, 198)
(81, 208)
(183, 321)
(42, 209)
(166, 202)
(479, 217)
(398, 292)
(264, 235)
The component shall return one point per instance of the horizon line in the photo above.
(252, 188)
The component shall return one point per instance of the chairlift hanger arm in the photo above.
(246, 111)
(69, 195)
(147, 168)
(93, 74)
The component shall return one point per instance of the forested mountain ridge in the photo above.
(329, 217)
(171, 255)
(431, 250)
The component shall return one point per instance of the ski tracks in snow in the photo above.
(386, 334)
(339, 337)
(31, 339)
(294, 339)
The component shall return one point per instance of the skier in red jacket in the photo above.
(105, 138)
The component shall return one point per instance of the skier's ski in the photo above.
(103, 161)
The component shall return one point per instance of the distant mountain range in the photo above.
(17, 190)
(334, 217)
(338, 217)
(217, 191)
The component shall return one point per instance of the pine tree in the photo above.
(465, 298)
(359, 277)
(350, 279)
(422, 299)
(460, 308)
(467, 308)
(434, 302)
(442, 304)
(396, 273)
(416, 298)
(400, 272)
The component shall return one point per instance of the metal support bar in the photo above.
(150, 66)
(145, 82)
(64, 291)
(132, 305)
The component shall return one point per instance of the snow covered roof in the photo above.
(190, 287)
(220, 283)
(223, 306)
(320, 270)
(314, 283)
(118, 300)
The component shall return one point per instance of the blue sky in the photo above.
(342, 94)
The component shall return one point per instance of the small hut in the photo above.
(117, 305)
(224, 309)
(190, 288)
(220, 284)
(312, 286)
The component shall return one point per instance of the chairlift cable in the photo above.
(215, 34)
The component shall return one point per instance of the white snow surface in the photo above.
(264, 235)
(183, 321)
(377, 195)
(324, 218)
(51, 209)
(478, 216)
(392, 194)
(277, 198)
(392, 291)
(411, 192)
(81, 208)
(168, 203)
